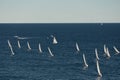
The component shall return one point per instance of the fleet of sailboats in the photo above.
(106, 51)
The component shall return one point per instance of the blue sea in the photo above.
(67, 63)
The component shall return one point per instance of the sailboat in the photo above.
(19, 46)
(29, 48)
(50, 51)
(96, 54)
(98, 69)
(40, 50)
(105, 49)
(77, 47)
(10, 47)
(117, 51)
(108, 53)
(54, 40)
(85, 63)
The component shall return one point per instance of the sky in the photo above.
(59, 11)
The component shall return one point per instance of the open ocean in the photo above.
(67, 63)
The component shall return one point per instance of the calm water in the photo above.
(67, 64)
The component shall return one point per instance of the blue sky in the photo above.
(59, 11)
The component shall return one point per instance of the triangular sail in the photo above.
(19, 46)
(117, 51)
(85, 63)
(40, 50)
(50, 52)
(77, 47)
(54, 40)
(96, 54)
(98, 69)
(29, 48)
(10, 48)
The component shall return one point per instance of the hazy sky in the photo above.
(59, 11)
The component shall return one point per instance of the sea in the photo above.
(67, 63)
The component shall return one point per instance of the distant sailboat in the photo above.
(10, 48)
(85, 63)
(105, 49)
(77, 47)
(29, 48)
(117, 51)
(108, 53)
(19, 46)
(40, 50)
(54, 40)
(50, 52)
(98, 69)
(96, 54)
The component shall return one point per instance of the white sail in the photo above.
(29, 48)
(40, 50)
(85, 63)
(96, 54)
(77, 47)
(117, 51)
(50, 52)
(98, 69)
(108, 53)
(19, 46)
(10, 48)
(54, 40)
(105, 49)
